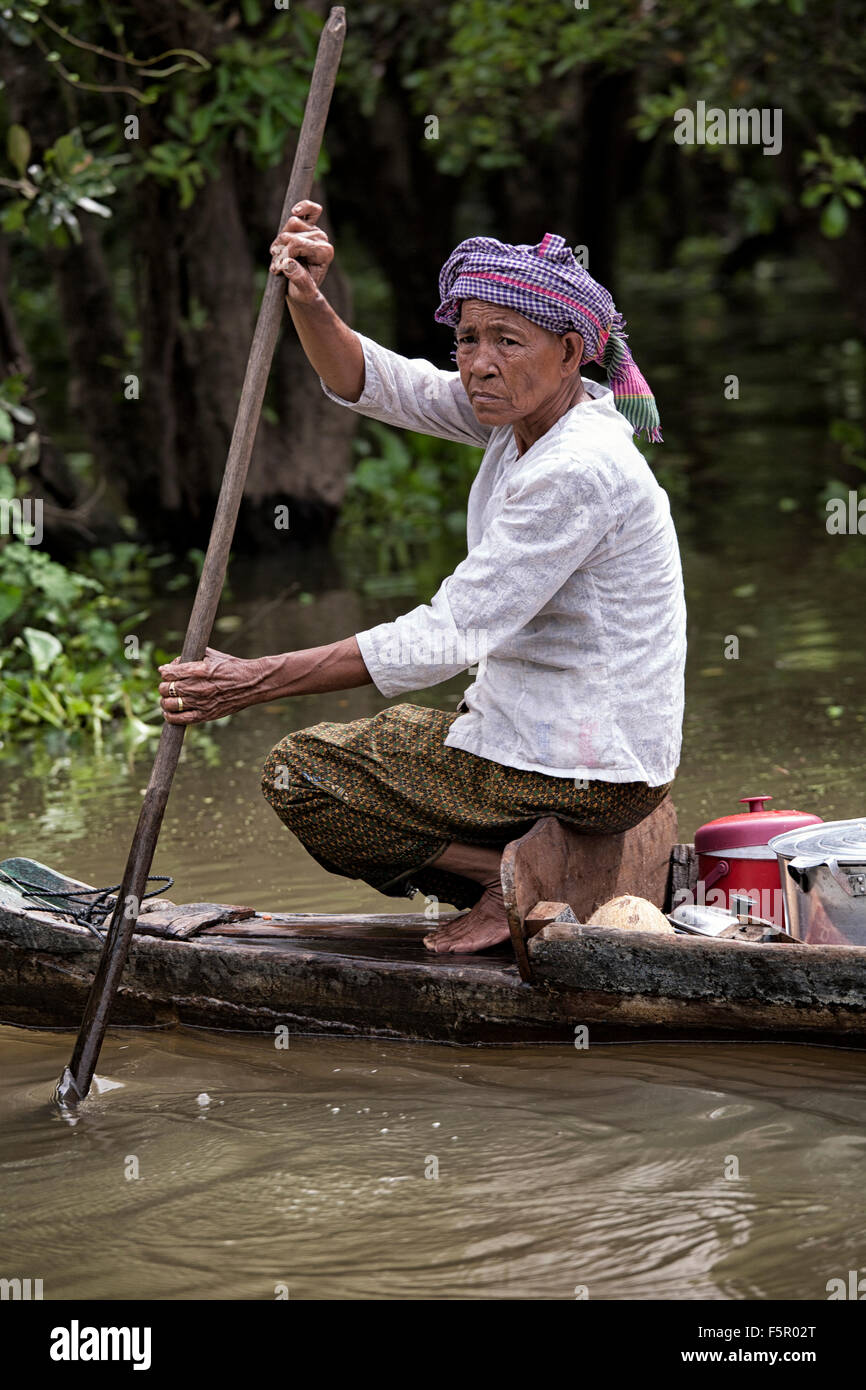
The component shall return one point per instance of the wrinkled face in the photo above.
(510, 367)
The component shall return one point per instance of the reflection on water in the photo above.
(557, 1169)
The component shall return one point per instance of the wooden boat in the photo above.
(223, 966)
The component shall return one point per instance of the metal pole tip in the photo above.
(66, 1093)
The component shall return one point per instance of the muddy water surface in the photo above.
(612, 1170)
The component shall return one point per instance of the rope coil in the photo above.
(90, 913)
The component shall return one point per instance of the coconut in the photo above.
(631, 913)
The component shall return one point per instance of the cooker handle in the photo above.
(799, 869)
(849, 885)
(719, 869)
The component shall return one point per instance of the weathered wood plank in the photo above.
(644, 978)
(189, 919)
(381, 989)
(683, 877)
(314, 926)
(626, 984)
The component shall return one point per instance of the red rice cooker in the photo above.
(734, 857)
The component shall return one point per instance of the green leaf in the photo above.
(834, 218)
(10, 600)
(12, 218)
(201, 123)
(264, 132)
(65, 151)
(44, 648)
(18, 148)
(251, 11)
(815, 194)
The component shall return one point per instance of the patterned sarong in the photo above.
(379, 799)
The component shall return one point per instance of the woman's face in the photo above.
(510, 367)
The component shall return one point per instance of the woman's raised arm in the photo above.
(303, 253)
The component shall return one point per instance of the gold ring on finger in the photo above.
(171, 690)
(179, 705)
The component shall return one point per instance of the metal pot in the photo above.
(734, 857)
(823, 872)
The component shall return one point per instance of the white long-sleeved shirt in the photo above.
(570, 598)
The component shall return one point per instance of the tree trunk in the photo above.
(160, 444)
(409, 231)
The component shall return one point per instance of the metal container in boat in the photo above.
(823, 870)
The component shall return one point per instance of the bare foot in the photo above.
(485, 924)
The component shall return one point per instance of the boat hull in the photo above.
(364, 984)
(374, 977)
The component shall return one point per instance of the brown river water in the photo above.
(215, 1166)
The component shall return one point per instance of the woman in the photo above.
(570, 598)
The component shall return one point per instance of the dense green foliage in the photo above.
(248, 92)
(70, 653)
(403, 523)
(92, 676)
(500, 79)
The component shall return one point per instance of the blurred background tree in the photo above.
(147, 145)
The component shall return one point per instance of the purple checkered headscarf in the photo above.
(546, 284)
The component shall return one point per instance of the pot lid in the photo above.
(757, 826)
(844, 840)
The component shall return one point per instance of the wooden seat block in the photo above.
(553, 863)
